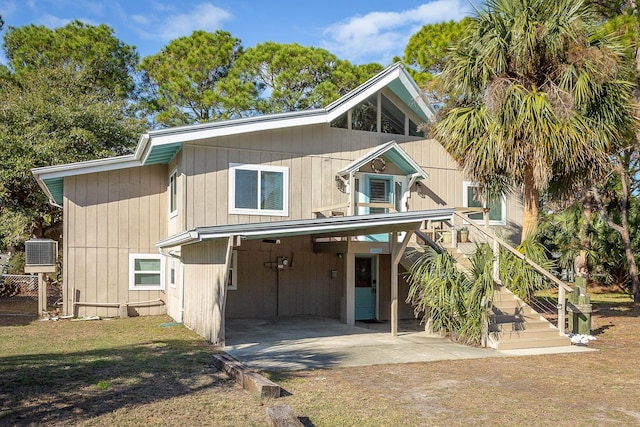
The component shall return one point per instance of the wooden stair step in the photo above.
(525, 334)
(519, 326)
(557, 341)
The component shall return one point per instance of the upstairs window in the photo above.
(258, 190)
(413, 129)
(472, 198)
(365, 115)
(392, 117)
(340, 122)
(173, 193)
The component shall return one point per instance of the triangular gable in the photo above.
(398, 80)
(394, 153)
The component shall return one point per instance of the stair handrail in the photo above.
(562, 287)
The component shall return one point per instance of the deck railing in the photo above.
(484, 233)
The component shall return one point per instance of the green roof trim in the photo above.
(401, 90)
(162, 154)
(56, 188)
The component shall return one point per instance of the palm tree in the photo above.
(540, 99)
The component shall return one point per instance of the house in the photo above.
(301, 213)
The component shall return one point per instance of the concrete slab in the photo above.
(308, 342)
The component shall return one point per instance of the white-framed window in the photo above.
(471, 198)
(173, 193)
(146, 272)
(258, 190)
(172, 272)
(232, 280)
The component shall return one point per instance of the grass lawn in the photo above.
(132, 372)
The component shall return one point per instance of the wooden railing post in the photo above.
(496, 261)
(454, 233)
(562, 307)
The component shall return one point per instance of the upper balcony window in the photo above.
(392, 117)
(365, 115)
(258, 190)
(413, 129)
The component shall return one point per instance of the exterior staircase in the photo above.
(512, 323)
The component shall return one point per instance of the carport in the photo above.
(339, 229)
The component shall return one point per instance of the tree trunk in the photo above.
(623, 229)
(626, 238)
(531, 200)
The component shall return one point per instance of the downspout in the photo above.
(53, 203)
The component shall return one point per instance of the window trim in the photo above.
(172, 272)
(173, 193)
(258, 168)
(465, 203)
(133, 272)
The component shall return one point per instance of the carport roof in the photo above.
(319, 227)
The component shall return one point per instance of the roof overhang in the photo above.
(319, 227)
(395, 154)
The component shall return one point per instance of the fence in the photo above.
(19, 295)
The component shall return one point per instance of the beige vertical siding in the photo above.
(313, 154)
(205, 273)
(108, 216)
(306, 288)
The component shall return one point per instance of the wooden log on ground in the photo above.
(249, 380)
(282, 416)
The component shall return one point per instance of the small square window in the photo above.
(146, 272)
(258, 190)
(497, 205)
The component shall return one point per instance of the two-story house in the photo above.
(301, 213)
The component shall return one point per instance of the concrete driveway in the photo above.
(308, 342)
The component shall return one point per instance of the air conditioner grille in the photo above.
(40, 252)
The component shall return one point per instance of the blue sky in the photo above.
(361, 31)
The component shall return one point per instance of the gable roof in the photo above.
(394, 153)
(160, 146)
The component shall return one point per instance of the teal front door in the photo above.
(365, 287)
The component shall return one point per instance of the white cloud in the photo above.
(378, 36)
(51, 21)
(140, 19)
(7, 8)
(203, 16)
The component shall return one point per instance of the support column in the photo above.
(397, 250)
(42, 294)
(350, 287)
(394, 284)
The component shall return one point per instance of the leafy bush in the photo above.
(454, 302)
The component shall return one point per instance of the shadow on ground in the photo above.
(64, 389)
